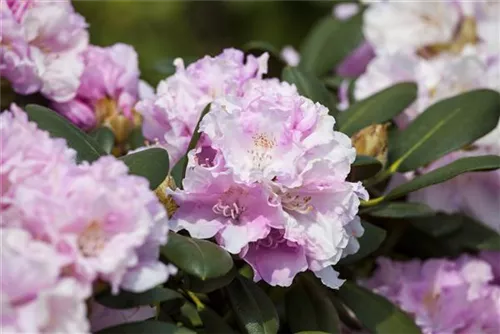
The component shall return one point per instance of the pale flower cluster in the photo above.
(65, 226)
(268, 177)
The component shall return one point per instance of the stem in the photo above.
(199, 305)
(373, 202)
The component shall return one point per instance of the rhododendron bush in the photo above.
(352, 186)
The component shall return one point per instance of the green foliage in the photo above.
(445, 127)
(105, 138)
(151, 163)
(148, 326)
(439, 175)
(364, 167)
(126, 299)
(308, 307)
(379, 108)
(199, 258)
(87, 149)
(329, 42)
(376, 313)
(399, 210)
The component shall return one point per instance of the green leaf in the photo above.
(364, 167)
(334, 82)
(369, 242)
(472, 236)
(445, 127)
(151, 163)
(311, 87)
(439, 225)
(87, 149)
(195, 284)
(126, 299)
(308, 307)
(399, 210)
(312, 332)
(253, 309)
(105, 138)
(146, 327)
(199, 258)
(378, 108)
(439, 175)
(213, 323)
(262, 46)
(136, 138)
(376, 313)
(179, 170)
(329, 42)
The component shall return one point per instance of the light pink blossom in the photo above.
(170, 117)
(109, 86)
(270, 179)
(41, 42)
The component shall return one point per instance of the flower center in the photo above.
(273, 240)
(262, 150)
(92, 240)
(228, 204)
(300, 204)
(108, 114)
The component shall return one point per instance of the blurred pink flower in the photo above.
(35, 298)
(103, 222)
(109, 86)
(444, 296)
(41, 42)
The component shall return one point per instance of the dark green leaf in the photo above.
(151, 163)
(312, 332)
(369, 242)
(364, 167)
(105, 138)
(375, 312)
(399, 210)
(126, 299)
(378, 108)
(146, 327)
(199, 258)
(213, 323)
(179, 170)
(195, 284)
(329, 42)
(136, 139)
(87, 149)
(311, 87)
(253, 309)
(460, 166)
(439, 225)
(262, 46)
(473, 236)
(445, 127)
(308, 308)
(334, 82)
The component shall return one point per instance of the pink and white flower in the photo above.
(40, 47)
(268, 181)
(171, 116)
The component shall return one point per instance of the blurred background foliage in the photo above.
(160, 30)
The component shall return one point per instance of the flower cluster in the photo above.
(40, 47)
(444, 296)
(268, 177)
(65, 226)
(452, 48)
(109, 89)
(171, 116)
